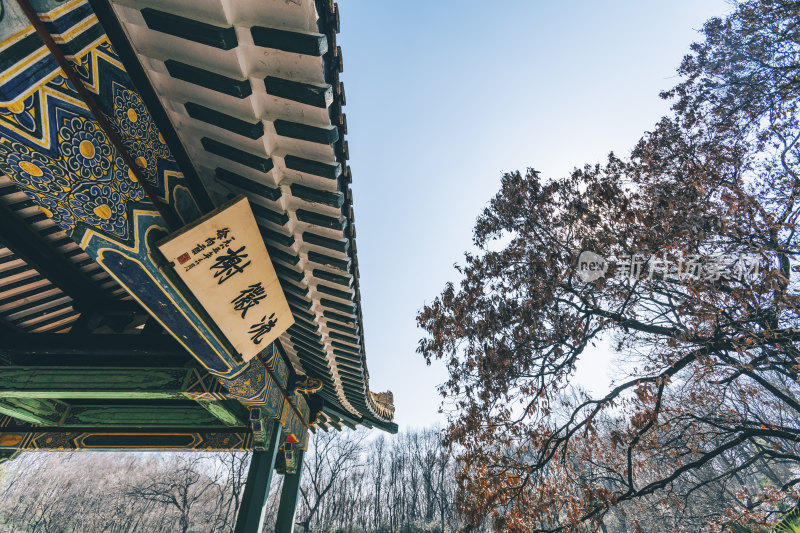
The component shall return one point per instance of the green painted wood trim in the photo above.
(343, 417)
(294, 289)
(339, 327)
(309, 166)
(298, 312)
(268, 214)
(344, 338)
(70, 382)
(317, 219)
(338, 317)
(304, 331)
(247, 184)
(326, 242)
(312, 44)
(330, 276)
(155, 416)
(292, 299)
(304, 93)
(280, 255)
(272, 235)
(295, 334)
(304, 132)
(209, 80)
(256, 488)
(334, 292)
(230, 412)
(251, 130)
(351, 358)
(288, 273)
(311, 346)
(264, 164)
(310, 194)
(193, 30)
(323, 369)
(322, 259)
(38, 411)
(344, 370)
(289, 494)
(311, 326)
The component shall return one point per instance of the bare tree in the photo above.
(182, 481)
(331, 458)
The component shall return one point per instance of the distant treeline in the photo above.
(352, 482)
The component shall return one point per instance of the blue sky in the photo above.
(442, 97)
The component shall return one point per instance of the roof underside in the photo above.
(46, 293)
(252, 90)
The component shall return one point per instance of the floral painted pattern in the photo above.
(85, 149)
(101, 206)
(33, 171)
(54, 209)
(131, 116)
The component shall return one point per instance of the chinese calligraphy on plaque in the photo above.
(223, 261)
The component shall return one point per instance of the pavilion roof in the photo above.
(249, 104)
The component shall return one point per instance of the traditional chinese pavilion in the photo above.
(122, 122)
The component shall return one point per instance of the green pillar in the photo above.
(256, 489)
(289, 494)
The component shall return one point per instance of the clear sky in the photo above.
(442, 97)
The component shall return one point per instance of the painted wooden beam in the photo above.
(310, 194)
(333, 278)
(334, 292)
(305, 93)
(208, 79)
(247, 184)
(268, 214)
(280, 255)
(229, 412)
(309, 166)
(167, 415)
(326, 242)
(49, 439)
(325, 221)
(251, 130)
(289, 494)
(34, 410)
(264, 164)
(94, 382)
(325, 259)
(304, 132)
(119, 383)
(289, 273)
(256, 489)
(223, 38)
(313, 44)
(276, 236)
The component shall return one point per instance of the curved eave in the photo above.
(251, 90)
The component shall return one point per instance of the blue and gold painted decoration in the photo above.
(252, 386)
(55, 151)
